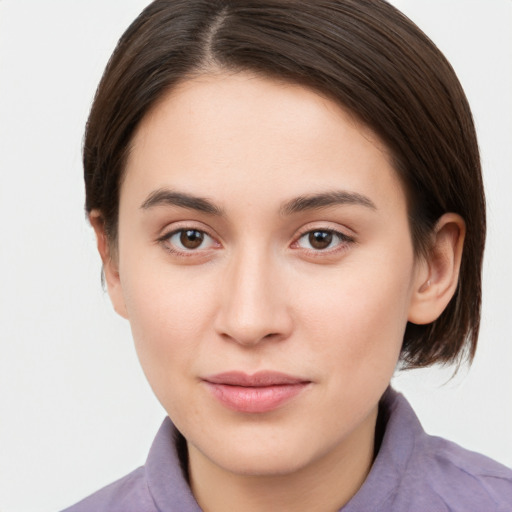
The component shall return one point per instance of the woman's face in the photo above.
(267, 270)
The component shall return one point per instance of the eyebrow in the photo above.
(166, 197)
(325, 200)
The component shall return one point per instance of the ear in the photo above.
(438, 273)
(110, 263)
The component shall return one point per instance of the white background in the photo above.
(75, 410)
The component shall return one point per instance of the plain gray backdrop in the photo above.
(75, 409)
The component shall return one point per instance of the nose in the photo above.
(254, 301)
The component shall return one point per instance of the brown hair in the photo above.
(364, 54)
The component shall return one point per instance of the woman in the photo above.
(288, 203)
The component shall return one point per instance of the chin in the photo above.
(261, 451)
(262, 463)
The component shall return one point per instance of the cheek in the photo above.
(161, 298)
(169, 317)
(358, 315)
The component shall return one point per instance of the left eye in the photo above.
(190, 240)
(321, 239)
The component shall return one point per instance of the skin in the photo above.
(257, 294)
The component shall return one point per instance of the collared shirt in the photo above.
(413, 472)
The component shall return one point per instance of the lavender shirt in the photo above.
(413, 472)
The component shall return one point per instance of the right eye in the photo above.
(187, 240)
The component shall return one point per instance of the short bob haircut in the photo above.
(363, 54)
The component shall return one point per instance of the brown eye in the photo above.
(327, 240)
(188, 242)
(191, 238)
(320, 239)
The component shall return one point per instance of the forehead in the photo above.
(221, 132)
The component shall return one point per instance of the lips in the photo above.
(261, 392)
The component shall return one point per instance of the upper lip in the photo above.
(259, 379)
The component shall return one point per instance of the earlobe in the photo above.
(438, 275)
(110, 263)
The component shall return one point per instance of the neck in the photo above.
(324, 485)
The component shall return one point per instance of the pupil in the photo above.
(320, 239)
(191, 239)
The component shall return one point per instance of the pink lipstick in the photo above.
(261, 392)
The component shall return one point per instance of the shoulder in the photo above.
(414, 471)
(129, 494)
(441, 475)
(158, 485)
(462, 478)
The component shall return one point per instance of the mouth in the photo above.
(261, 392)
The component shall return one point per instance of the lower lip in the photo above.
(255, 399)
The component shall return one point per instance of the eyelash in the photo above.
(165, 240)
(343, 241)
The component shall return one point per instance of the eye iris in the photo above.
(191, 238)
(320, 239)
